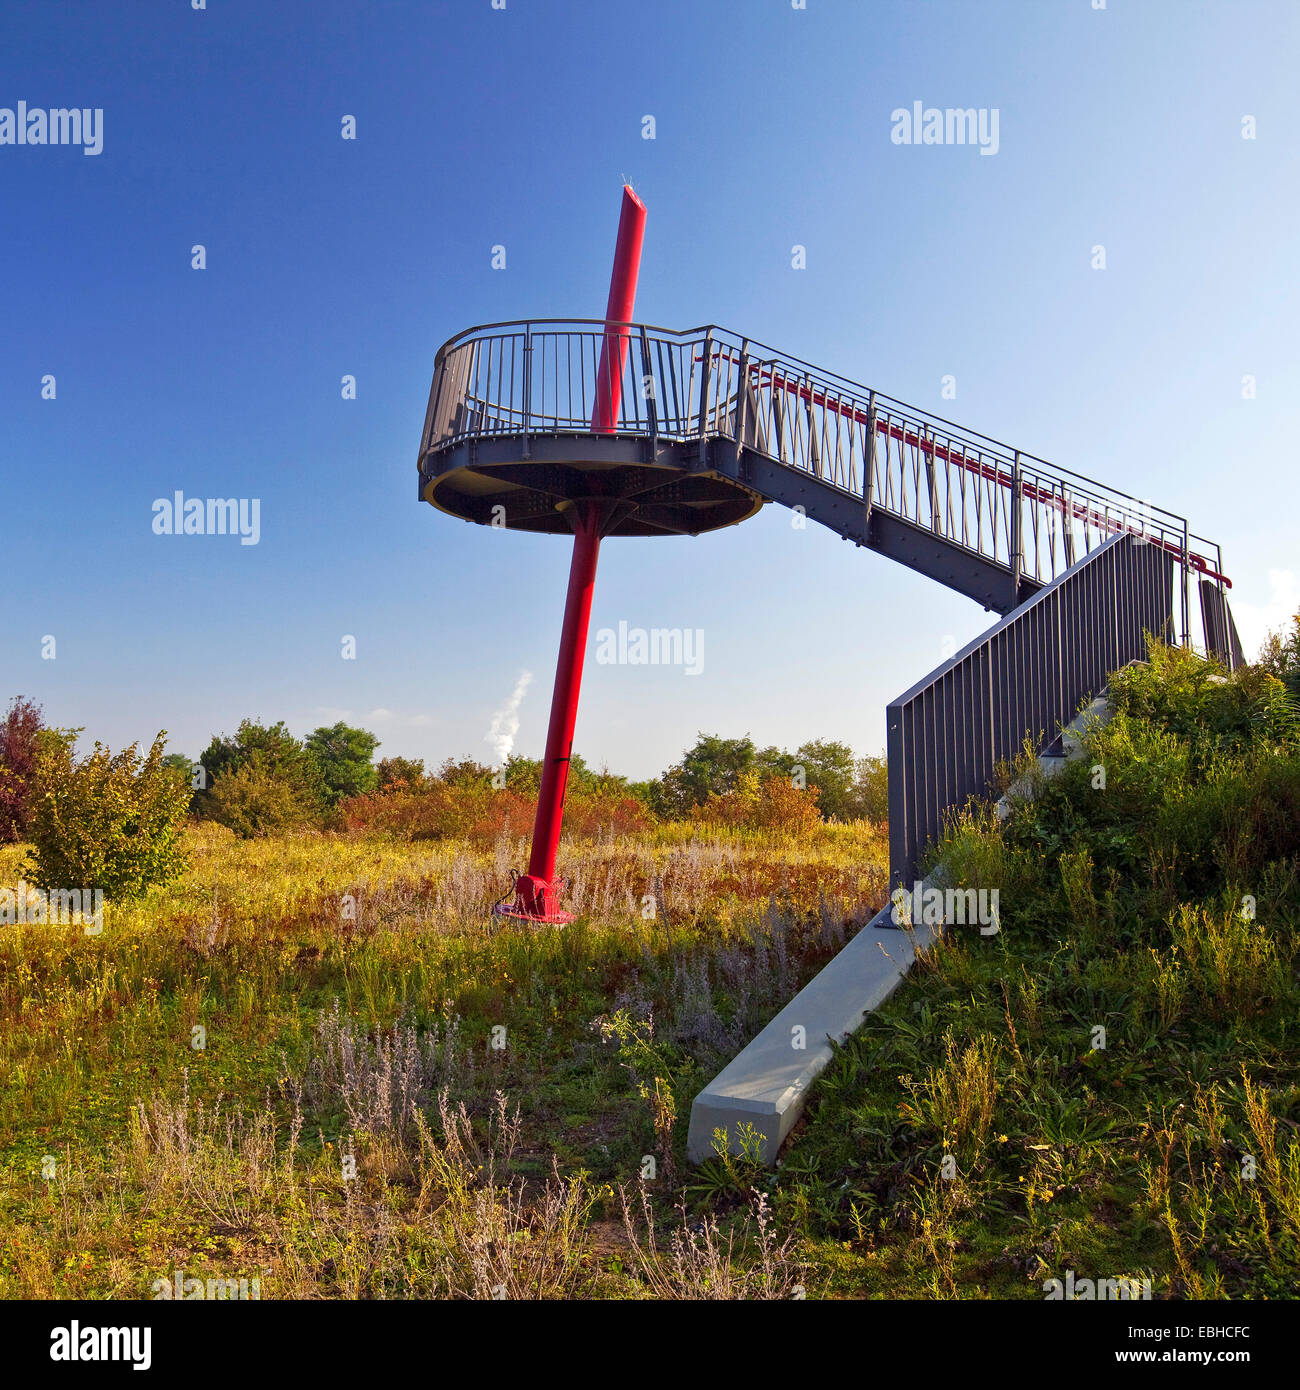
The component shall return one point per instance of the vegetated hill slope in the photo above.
(1116, 1073)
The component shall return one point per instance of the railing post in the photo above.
(1017, 556)
(528, 387)
(778, 415)
(814, 449)
(1067, 527)
(647, 375)
(742, 399)
(706, 376)
(930, 478)
(869, 482)
(1187, 601)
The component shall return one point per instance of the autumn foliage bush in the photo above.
(762, 803)
(111, 821)
(481, 813)
(18, 752)
(432, 810)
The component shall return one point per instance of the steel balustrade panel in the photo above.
(1221, 639)
(1024, 679)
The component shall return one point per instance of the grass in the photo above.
(393, 1099)
(1112, 1078)
(356, 1006)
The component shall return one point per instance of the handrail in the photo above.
(709, 382)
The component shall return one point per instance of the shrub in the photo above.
(436, 811)
(591, 813)
(109, 820)
(275, 755)
(769, 803)
(1196, 701)
(476, 811)
(255, 800)
(18, 758)
(785, 808)
(465, 772)
(394, 773)
(1280, 655)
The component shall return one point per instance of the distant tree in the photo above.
(254, 800)
(277, 754)
(182, 765)
(109, 820)
(846, 787)
(19, 736)
(711, 767)
(645, 793)
(344, 756)
(399, 772)
(602, 783)
(463, 772)
(829, 767)
(871, 788)
(524, 776)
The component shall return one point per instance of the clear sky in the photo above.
(1120, 127)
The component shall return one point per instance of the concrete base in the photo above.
(766, 1084)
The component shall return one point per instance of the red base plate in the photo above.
(535, 900)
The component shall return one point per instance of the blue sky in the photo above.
(476, 127)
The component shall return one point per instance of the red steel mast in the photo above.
(537, 893)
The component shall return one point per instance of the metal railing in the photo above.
(1024, 678)
(1101, 561)
(1029, 516)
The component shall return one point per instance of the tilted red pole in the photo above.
(537, 893)
(540, 887)
(619, 309)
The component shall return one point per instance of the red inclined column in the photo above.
(537, 893)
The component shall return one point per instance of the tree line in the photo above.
(116, 819)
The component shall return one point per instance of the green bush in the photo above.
(398, 772)
(343, 755)
(255, 799)
(109, 820)
(1197, 702)
(272, 754)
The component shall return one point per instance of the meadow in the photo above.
(315, 1061)
(348, 988)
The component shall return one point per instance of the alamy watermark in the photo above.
(179, 515)
(1120, 1286)
(951, 125)
(179, 1287)
(656, 646)
(55, 907)
(59, 125)
(946, 907)
(77, 1343)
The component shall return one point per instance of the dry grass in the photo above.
(347, 1127)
